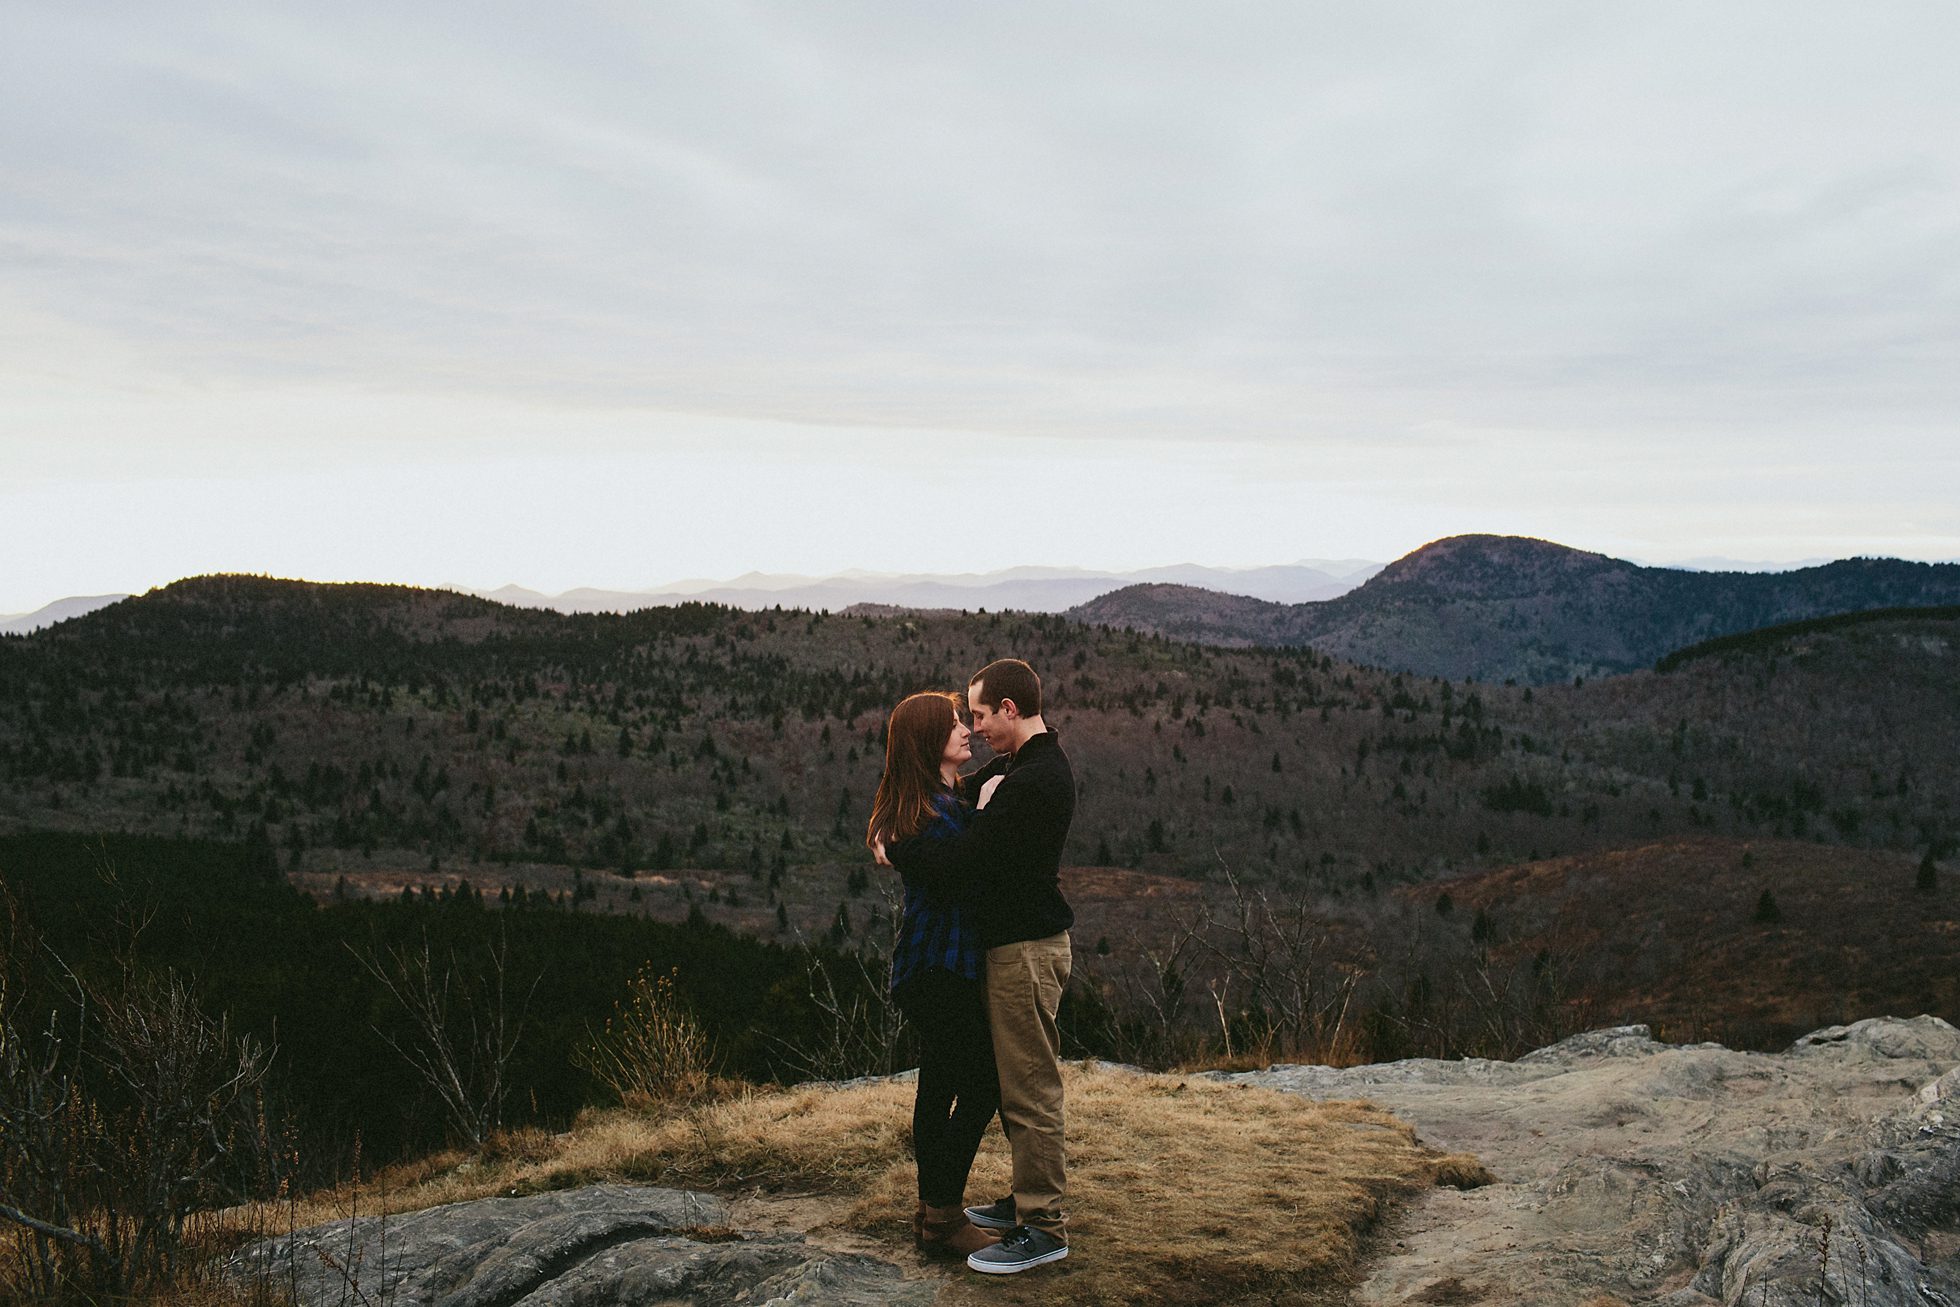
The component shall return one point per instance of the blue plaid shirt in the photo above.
(934, 934)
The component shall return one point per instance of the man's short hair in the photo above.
(1008, 678)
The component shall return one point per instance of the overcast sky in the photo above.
(616, 294)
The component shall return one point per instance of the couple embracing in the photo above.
(982, 956)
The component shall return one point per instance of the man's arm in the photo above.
(970, 784)
(965, 862)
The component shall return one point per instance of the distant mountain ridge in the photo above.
(1513, 607)
(58, 611)
(1021, 589)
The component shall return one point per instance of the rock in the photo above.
(1946, 1087)
(593, 1247)
(1923, 1037)
(1645, 1173)
(1629, 1172)
(1619, 1041)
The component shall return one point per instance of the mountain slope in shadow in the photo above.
(1514, 608)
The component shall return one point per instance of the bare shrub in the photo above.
(1445, 994)
(119, 1122)
(1280, 987)
(651, 1050)
(1252, 978)
(858, 1030)
(1136, 1008)
(464, 1032)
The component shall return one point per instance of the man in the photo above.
(1009, 864)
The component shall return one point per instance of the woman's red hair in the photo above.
(915, 746)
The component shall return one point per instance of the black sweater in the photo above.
(1008, 862)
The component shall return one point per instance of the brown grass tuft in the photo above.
(1183, 1190)
(1459, 1171)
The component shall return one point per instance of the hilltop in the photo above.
(415, 757)
(1514, 608)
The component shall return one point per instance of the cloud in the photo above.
(1387, 244)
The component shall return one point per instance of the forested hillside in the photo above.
(380, 746)
(1750, 942)
(300, 978)
(429, 735)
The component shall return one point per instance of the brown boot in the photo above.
(946, 1230)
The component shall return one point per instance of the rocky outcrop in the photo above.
(1637, 1172)
(1628, 1172)
(593, 1247)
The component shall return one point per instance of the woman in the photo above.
(936, 977)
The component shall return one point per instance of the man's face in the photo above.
(995, 725)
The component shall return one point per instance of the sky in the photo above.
(615, 294)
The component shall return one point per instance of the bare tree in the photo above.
(1451, 995)
(463, 1032)
(1295, 996)
(1147, 993)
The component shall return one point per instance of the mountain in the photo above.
(1022, 589)
(1513, 608)
(58, 611)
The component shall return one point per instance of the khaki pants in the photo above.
(1024, 991)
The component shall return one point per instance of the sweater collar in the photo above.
(1037, 744)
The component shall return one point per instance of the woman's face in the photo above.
(958, 748)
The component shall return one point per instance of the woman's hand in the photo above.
(987, 791)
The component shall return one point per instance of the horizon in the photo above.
(598, 297)
(673, 588)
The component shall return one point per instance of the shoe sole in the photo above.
(986, 1222)
(1010, 1268)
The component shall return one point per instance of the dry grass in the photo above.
(208, 1237)
(1183, 1190)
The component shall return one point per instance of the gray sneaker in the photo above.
(1022, 1248)
(997, 1215)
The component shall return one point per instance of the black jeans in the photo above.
(959, 1092)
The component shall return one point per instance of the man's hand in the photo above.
(878, 854)
(987, 791)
